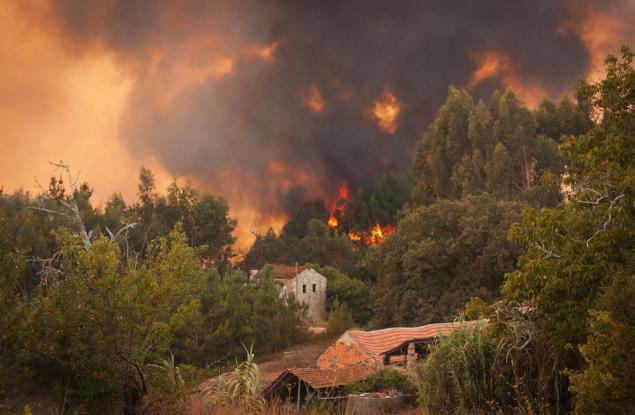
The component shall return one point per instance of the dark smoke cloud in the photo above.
(226, 131)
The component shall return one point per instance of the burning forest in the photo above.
(273, 104)
(291, 174)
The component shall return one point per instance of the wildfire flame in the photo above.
(377, 234)
(373, 237)
(386, 111)
(337, 206)
(355, 236)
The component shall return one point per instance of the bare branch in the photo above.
(548, 253)
(49, 272)
(126, 227)
(52, 212)
(71, 205)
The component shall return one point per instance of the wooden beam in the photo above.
(299, 389)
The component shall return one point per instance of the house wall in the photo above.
(344, 352)
(315, 300)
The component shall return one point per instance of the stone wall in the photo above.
(344, 352)
(310, 288)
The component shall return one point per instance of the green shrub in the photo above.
(385, 380)
(607, 384)
(340, 319)
(455, 377)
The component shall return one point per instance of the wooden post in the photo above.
(299, 389)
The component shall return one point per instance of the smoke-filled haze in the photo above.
(268, 103)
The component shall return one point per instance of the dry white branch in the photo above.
(549, 253)
(49, 271)
(70, 204)
(124, 229)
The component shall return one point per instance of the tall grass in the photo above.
(502, 368)
(244, 386)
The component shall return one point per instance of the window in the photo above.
(304, 288)
(313, 287)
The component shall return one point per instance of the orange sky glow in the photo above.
(59, 102)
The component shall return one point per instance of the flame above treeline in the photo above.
(271, 104)
(374, 236)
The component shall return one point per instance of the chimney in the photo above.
(296, 268)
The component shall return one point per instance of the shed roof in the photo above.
(281, 272)
(378, 342)
(322, 378)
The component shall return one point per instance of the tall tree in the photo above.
(580, 260)
(440, 256)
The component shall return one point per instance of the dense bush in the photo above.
(232, 313)
(340, 319)
(497, 368)
(442, 255)
(97, 325)
(386, 380)
(353, 292)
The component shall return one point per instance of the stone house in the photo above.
(305, 284)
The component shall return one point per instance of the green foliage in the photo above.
(319, 245)
(475, 309)
(442, 255)
(340, 319)
(579, 250)
(167, 375)
(503, 148)
(244, 385)
(380, 204)
(502, 368)
(96, 327)
(233, 312)
(296, 227)
(608, 382)
(385, 380)
(12, 308)
(456, 377)
(204, 218)
(352, 292)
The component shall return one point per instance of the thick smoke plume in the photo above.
(274, 102)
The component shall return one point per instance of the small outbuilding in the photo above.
(302, 385)
(391, 346)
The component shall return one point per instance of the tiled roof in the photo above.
(324, 378)
(378, 342)
(281, 272)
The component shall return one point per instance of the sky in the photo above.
(269, 104)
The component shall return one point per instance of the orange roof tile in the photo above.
(324, 378)
(281, 272)
(378, 342)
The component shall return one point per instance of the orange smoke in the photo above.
(386, 112)
(602, 31)
(313, 100)
(263, 52)
(494, 64)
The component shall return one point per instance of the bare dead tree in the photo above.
(70, 209)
